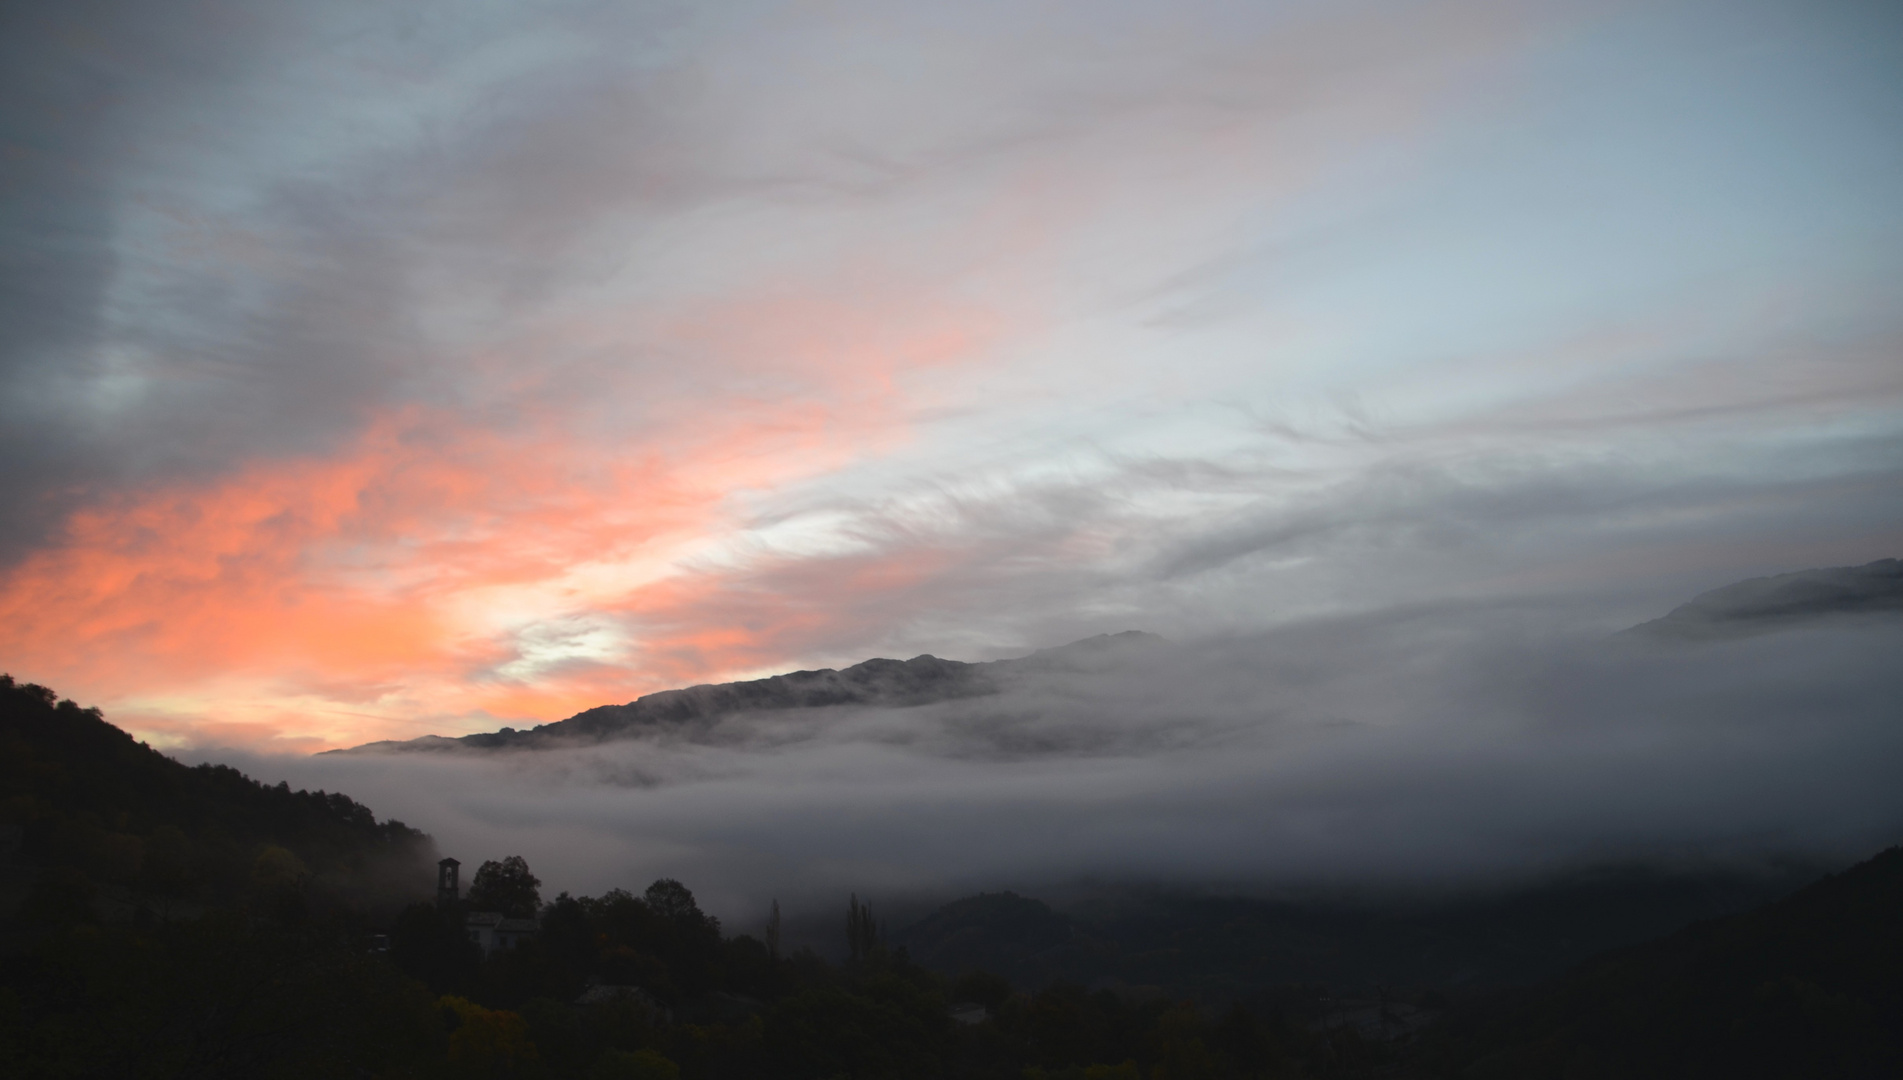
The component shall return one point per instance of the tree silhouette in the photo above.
(508, 887)
(672, 900)
(773, 931)
(862, 931)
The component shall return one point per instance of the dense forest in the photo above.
(1811, 986)
(120, 827)
(1225, 947)
(189, 922)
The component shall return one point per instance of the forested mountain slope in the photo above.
(99, 817)
(1223, 948)
(1811, 986)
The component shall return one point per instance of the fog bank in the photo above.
(1438, 748)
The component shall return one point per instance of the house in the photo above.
(968, 1012)
(492, 932)
(641, 1000)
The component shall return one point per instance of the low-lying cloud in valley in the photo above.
(1437, 747)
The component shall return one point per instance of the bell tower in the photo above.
(446, 887)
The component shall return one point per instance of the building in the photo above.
(488, 929)
(447, 890)
(493, 933)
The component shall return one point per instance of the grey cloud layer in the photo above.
(238, 232)
(1626, 528)
(231, 237)
(223, 228)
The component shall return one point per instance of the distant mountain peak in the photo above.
(1760, 605)
(922, 680)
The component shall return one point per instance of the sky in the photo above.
(373, 370)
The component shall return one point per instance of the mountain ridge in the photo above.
(921, 680)
(1765, 604)
(1741, 609)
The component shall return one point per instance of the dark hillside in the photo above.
(95, 816)
(1811, 986)
(1761, 605)
(1015, 936)
(1225, 948)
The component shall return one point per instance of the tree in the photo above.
(862, 933)
(430, 945)
(672, 900)
(773, 932)
(487, 1042)
(683, 937)
(508, 887)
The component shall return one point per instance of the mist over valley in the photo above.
(1421, 753)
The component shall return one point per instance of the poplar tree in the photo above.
(862, 932)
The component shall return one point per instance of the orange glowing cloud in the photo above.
(439, 573)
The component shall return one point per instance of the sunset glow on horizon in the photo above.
(381, 371)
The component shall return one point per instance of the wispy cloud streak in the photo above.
(374, 372)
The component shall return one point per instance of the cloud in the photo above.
(1434, 748)
(375, 373)
(348, 343)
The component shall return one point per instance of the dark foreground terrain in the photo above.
(165, 921)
